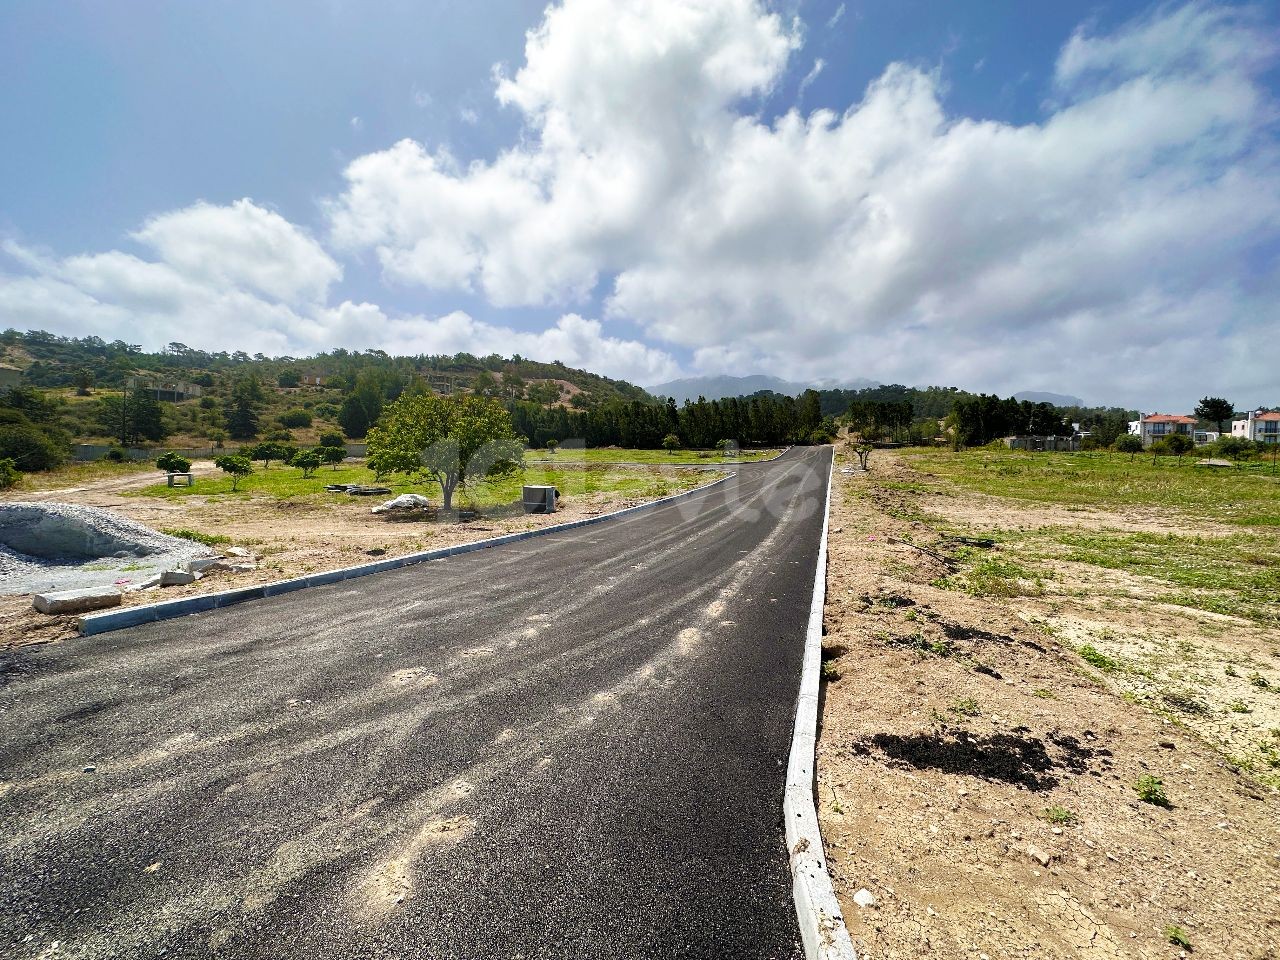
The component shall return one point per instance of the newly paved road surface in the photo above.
(572, 746)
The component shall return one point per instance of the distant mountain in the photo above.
(717, 388)
(1057, 399)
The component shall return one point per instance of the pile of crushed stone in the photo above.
(63, 546)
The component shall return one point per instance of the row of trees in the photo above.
(976, 421)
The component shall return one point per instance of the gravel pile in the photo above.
(62, 546)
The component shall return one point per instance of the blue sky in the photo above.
(607, 195)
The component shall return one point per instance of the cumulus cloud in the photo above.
(891, 239)
(243, 278)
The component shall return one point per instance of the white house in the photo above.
(1261, 426)
(1158, 426)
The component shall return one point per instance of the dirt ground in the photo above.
(291, 537)
(977, 776)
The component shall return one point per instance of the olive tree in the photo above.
(1127, 443)
(452, 441)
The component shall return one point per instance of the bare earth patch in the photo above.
(977, 772)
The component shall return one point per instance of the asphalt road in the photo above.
(572, 746)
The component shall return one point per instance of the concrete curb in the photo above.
(124, 617)
(821, 922)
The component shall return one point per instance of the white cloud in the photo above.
(468, 116)
(356, 123)
(243, 278)
(242, 245)
(814, 72)
(836, 17)
(890, 240)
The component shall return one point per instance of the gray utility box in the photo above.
(540, 499)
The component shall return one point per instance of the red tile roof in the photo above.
(1270, 415)
(1168, 418)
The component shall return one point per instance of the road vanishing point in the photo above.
(569, 746)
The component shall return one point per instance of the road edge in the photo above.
(123, 617)
(822, 926)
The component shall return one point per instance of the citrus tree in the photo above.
(451, 441)
(237, 467)
(308, 461)
(173, 463)
(1127, 443)
(332, 454)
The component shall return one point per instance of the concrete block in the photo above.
(77, 601)
(178, 578)
(200, 564)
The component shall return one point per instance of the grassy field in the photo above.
(603, 455)
(284, 482)
(1248, 496)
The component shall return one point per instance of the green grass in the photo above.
(605, 455)
(1060, 816)
(208, 539)
(1096, 658)
(285, 483)
(987, 576)
(1247, 496)
(1177, 936)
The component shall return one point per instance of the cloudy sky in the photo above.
(1081, 197)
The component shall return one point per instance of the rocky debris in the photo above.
(201, 564)
(77, 601)
(865, 899)
(147, 584)
(240, 552)
(1038, 855)
(406, 501)
(178, 578)
(53, 547)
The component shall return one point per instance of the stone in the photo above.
(91, 769)
(178, 578)
(200, 564)
(1038, 855)
(77, 601)
(239, 552)
(240, 566)
(865, 899)
(147, 584)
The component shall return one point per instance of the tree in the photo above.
(551, 445)
(863, 450)
(84, 382)
(1128, 443)
(1216, 410)
(308, 461)
(452, 440)
(242, 421)
(671, 443)
(290, 378)
(513, 384)
(1180, 443)
(332, 438)
(333, 455)
(172, 462)
(270, 450)
(485, 384)
(237, 467)
(132, 417)
(295, 418)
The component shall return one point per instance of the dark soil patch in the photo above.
(1015, 758)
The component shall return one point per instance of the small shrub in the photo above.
(208, 539)
(333, 438)
(1239, 706)
(1044, 694)
(1151, 790)
(308, 461)
(9, 473)
(295, 418)
(1059, 815)
(967, 707)
(115, 455)
(830, 672)
(1259, 681)
(1177, 936)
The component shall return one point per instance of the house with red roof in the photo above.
(1260, 426)
(1158, 426)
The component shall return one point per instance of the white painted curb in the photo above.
(817, 910)
(123, 617)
